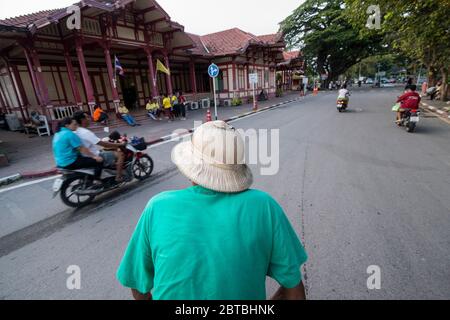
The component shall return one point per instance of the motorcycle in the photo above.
(409, 120)
(342, 105)
(79, 188)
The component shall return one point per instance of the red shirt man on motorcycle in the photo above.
(410, 100)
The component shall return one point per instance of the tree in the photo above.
(419, 28)
(330, 43)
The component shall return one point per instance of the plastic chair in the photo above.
(44, 129)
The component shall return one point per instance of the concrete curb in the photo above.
(11, 179)
(444, 112)
(174, 136)
(39, 174)
(52, 172)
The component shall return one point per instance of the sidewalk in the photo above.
(437, 106)
(31, 157)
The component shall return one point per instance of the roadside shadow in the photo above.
(427, 129)
(355, 110)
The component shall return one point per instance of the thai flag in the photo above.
(118, 67)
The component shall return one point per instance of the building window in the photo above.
(260, 79)
(241, 79)
(223, 80)
(266, 78)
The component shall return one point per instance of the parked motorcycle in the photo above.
(410, 119)
(79, 188)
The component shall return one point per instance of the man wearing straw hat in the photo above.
(218, 239)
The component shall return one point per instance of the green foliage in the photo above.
(330, 43)
(418, 28)
(236, 102)
(392, 63)
(279, 93)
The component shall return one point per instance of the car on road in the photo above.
(369, 81)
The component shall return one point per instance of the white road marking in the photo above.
(30, 183)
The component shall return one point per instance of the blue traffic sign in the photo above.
(213, 71)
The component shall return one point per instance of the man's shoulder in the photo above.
(83, 132)
(167, 197)
(248, 195)
(255, 194)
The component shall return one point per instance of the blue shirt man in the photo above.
(65, 147)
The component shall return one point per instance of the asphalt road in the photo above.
(358, 190)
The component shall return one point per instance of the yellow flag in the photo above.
(160, 67)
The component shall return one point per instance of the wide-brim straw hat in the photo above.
(214, 158)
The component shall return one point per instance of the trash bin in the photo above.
(13, 122)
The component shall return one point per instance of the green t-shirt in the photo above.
(198, 244)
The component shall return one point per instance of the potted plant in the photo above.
(236, 102)
(279, 93)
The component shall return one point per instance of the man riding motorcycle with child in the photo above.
(410, 100)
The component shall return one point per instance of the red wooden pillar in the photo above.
(15, 85)
(3, 103)
(72, 79)
(37, 91)
(35, 69)
(193, 77)
(168, 76)
(151, 72)
(112, 79)
(247, 67)
(84, 73)
(40, 78)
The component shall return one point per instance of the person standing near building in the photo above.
(167, 107)
(182, 106)
(424, 88)
(215, 240)
(175, 106)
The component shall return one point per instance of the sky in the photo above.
(198, 16)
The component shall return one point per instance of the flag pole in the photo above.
(115, 72)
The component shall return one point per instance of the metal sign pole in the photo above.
(215, 98)
(254, 95)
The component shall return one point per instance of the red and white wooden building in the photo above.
(46, 67)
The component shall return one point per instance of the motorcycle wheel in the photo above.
(68, 195)
(410, 127)
(143, 167)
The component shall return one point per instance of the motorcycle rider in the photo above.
(69, 152)
(92, 142)
(410, 100)
(344, 94)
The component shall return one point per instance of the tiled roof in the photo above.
(270, 38)
(199, 48)
(235, 41)
(25, 20)
(227, 42)
(291, 55)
